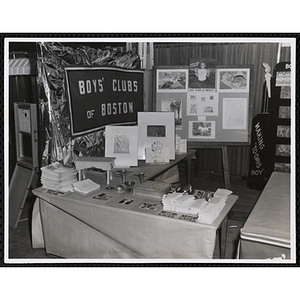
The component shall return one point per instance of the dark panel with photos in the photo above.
(280, 118)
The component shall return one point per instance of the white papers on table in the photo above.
(85, 186)
(207, 211)
(211, 211)
(178, 202)
(58, 177)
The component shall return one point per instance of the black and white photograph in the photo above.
(117, 83)
(232, 80)
(172, 80)
(202, 73)
(202, 130)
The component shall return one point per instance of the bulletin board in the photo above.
(215, 110)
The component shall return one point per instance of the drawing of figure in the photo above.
(193, 109)
(156, 149)
(121, 144)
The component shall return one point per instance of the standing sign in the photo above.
(258, 164)
(100, 96)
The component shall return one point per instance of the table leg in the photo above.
(223, 237)
(197, 163)
(226, 167)
(189, 169)
(107, 177)
(79, 174)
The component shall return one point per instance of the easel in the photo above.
(26, 169)
(225, 161)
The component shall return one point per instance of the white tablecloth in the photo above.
(266, 233)
(76, 226)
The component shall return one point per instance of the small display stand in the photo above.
(25, 171)
(104, 163)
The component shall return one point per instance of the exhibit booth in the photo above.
(109, 130)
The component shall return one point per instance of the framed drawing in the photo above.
(171, 80)
(121, 142)
(233, 80)
(156, 128)
(157, 154)
(202, 130)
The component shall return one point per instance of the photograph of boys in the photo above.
(202, 73)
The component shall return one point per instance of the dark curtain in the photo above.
(170, 54)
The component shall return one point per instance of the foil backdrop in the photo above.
(57, 143)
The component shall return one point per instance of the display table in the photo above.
(266, 233)
(122, 225)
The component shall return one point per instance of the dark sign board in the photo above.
(100, 96)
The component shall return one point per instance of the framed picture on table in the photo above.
(121, 142)
(156, 128)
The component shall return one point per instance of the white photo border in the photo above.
(123, 160)
(185, 89)
(146, 119)
(233, 90)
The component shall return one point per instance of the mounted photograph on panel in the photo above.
(202, 130)
(171, 80)
(202, 73)
(233, 80)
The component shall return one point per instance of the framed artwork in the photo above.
(233, 80)
(171, 80)
(121, 142)
(156, 128)
(202, 130)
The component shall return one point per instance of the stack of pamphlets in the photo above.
(153, 189)
(57, 177)
(85, 186)
(178, 202)
(211, 211)
(206, 209)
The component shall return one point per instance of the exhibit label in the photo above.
(100, 96)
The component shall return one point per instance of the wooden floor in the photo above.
(20, 238)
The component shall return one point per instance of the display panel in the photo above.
(222, 109)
